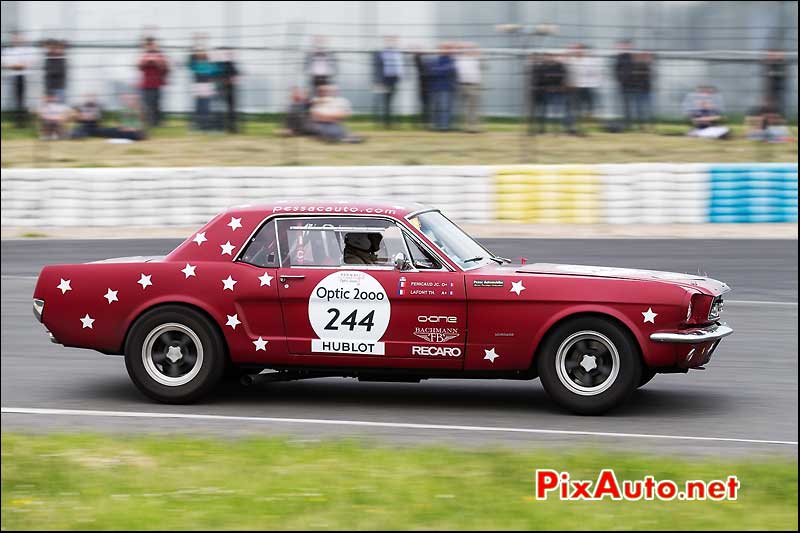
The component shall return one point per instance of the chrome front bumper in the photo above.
(711, 333)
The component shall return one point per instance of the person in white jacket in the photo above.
(18, 59)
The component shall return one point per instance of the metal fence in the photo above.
(708, 43)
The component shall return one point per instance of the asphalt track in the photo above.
(744, 403)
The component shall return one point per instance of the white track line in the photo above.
(760, 302)
(363, 423)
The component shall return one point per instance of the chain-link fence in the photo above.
(629, 92)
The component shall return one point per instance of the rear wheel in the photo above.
(174, 354)
(589, 365)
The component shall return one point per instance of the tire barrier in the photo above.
(642, 193)
(549, 195)
(753, 193)
(159, 197)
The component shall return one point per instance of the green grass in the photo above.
(104, 482)
(503, 143)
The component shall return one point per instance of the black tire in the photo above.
(187, 327)
(647, 375)
(598, 339)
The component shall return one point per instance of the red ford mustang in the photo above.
(380, 292)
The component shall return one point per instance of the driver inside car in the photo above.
(362, 248)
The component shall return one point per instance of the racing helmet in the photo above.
(359, 241)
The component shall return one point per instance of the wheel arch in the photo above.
(206, 313)
(605, 314)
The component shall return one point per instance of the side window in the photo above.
(421, 258)
(262, 250)
(334, 242)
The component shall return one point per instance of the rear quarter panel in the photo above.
(90, 282)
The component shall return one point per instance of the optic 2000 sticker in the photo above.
(349, 312)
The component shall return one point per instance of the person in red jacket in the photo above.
(154, 67)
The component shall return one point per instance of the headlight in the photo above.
(716, 309)
(38, 308)
(689, 312)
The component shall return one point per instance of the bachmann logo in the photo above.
(436, 334)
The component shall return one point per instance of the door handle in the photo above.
(285, 278)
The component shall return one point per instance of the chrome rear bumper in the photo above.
(711, 333)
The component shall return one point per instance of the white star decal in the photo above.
(87, 321)
(266, 279)
(200, 238)
(227, 284)
(227, 248)
(516, 286)
(649, 315)
(490, 355)
(111, 296)
(144, 281)
(261, 344)
(64, 285)
(233, 321)
(188, 270)
(235, 223)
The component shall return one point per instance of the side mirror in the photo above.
(401, 262)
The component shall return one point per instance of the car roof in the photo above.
(390, 208)
(230, 229)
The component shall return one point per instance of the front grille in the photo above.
(716, 309)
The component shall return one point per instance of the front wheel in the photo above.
(589, 365)
(647, 375)
(174, 354)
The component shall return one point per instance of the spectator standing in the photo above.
(536, 96)
(775, 80)
(19, 58)
(203, 71)
(585, 75)
(623, 73)
(155, 69)
(422, 66)
(320, 64)
(387, 71)
(552, 90)
(640, 83)
(468, 72)
(55, 70)
(442, 85)
(328, 112)
(228, 79)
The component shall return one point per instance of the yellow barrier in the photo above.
(567, 194)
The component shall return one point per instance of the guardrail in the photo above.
(642, 193)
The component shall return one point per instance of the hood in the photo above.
(696, 280)
(132, 259)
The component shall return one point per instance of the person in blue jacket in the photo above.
(442, 87)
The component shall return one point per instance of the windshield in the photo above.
(453, 242)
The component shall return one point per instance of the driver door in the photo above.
(341, 313)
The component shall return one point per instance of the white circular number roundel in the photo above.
(349, 306)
